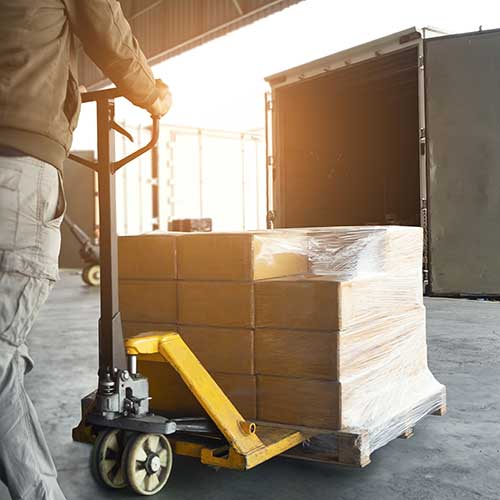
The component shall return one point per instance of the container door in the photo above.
(463, 160)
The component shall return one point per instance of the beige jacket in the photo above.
(39, 97)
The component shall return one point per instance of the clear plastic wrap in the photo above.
(387, 386)
(376, 320)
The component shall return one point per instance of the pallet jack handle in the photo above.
(111, 347)
(110, 95)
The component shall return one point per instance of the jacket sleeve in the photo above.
(108, 40)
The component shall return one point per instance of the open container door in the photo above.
(345, 130)
(463, 158)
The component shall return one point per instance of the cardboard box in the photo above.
(387, 346)
(148, 301)
(295, 353)
(171, 396)
(298, 401)
(360, 353)
(147, 256)
(216, 303)
(133, 328)
(221, 350)
(376, 367)
(313, 302)
(241, 256)
(305, 303)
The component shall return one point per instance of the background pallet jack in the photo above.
(132, 446)
(89, 253)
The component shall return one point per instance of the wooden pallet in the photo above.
(353, 448)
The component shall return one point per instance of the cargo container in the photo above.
(401, 130)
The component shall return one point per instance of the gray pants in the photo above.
(32, 207)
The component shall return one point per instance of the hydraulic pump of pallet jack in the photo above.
(122, 393)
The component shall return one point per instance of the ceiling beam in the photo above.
(146, 9)
(238, 7)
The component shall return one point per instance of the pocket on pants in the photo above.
(54, 210)
(20, 300)
(10, 178)
(50, 234)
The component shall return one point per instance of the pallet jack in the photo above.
(133, 446)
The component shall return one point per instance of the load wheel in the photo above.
(92, 275)
(106, 459)
(147, 461)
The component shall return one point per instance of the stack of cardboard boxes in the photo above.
(322, 328)
(203, 289)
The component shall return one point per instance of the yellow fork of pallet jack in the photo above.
(247, 448)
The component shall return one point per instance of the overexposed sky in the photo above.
(221, 84)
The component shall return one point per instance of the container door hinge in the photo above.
(422, 141)
(270, 218)
(270, 161)
(421, 63)
(269, 103)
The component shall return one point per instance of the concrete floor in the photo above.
(455, 457)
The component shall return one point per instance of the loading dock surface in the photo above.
(451, 458)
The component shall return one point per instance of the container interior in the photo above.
(347, 146)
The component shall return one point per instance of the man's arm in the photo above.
(108, 40)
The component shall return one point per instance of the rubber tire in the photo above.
(97, 457)
(91, 275)
(134, 445)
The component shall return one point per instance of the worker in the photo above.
(39, 107)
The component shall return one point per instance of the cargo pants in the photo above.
(32, 207)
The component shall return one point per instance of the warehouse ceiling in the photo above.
(166, 28)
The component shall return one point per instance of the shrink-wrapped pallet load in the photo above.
(370, 370)
(317, 327)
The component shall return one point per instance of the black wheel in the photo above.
(148, 462)
(92, 275)
(106, 459)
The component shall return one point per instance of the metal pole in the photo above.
(200, 169)
(111, 348)
(124, 187)
(243, 199)
(132, 364)
(155, 169)
(141, 184)
(257, 182)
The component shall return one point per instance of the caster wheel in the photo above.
(92, 275)
(106, 459)
(148, 462)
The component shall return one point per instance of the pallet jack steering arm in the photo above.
(109, 95)
(111, 346)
